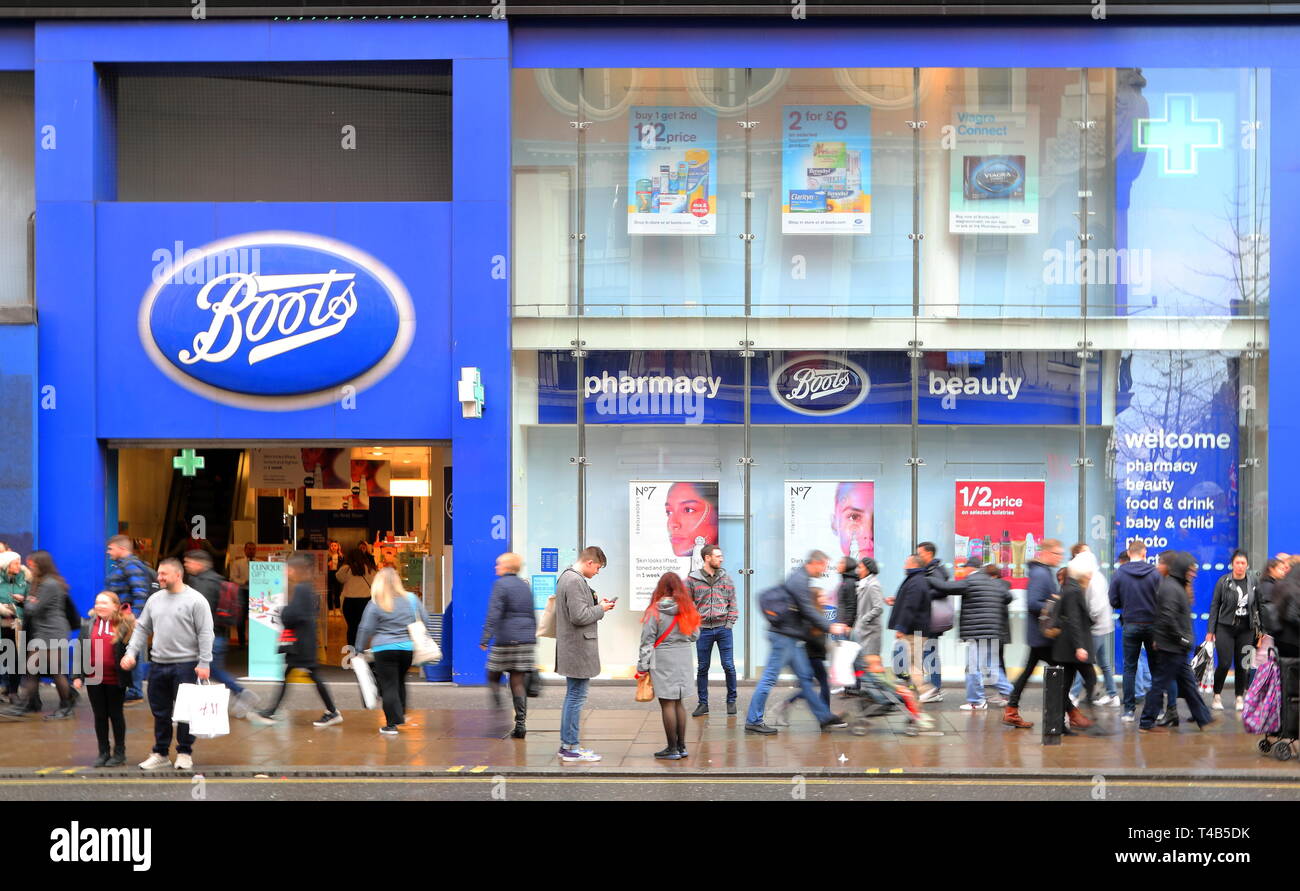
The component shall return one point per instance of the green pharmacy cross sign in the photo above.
(1179, 134)
(187, 462)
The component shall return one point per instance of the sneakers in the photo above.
(247, 701)
(731, 708)
(1241, 704)
(1127, 717)
(779, 716)
(934, 694)
(1114, 701)
(389, 730)
(184, 762)
(329, 719)
(155, 761)
(834, 722)
(665, 755)
(760, 728)
(1218, 702)
(260, 719)
(573, 756)
(700, 710)
(980, 706)
(997, 702)
(1106, 699)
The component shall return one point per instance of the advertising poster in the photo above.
(266, 597)
(999, 521)
(672, 177)
(993, 184)
(826, 169)
(669, 523)
(335, 479)
(1176, 460)
(838, 517)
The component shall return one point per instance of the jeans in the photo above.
(785, 651)
(166, 679)
(704, 655)
(982, 664)
(930, 655)
(1173, 669)
(1104, 646)
(575, 697)
(1136, 637)
(1143, 683)
(821, 676)
(220, 643)
(916, 669)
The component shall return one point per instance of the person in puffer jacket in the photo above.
(984, 596)
(1172, 630)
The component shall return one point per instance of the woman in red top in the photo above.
(107, 633)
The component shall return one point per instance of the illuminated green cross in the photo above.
(188, 462)
(1179, 134)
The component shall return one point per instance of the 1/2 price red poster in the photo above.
(999, 521)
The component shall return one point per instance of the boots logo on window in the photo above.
(819, 384)
(313, 316)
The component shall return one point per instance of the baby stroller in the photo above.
(879, 693)
(1282, 743)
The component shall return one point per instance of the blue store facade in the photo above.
(521, 246)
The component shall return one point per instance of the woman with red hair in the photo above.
(670, 627)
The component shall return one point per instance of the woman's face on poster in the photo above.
(853, 520)
(691, 515)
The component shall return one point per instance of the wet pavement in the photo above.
(453, 733)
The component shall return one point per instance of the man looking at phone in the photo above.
(577, 645)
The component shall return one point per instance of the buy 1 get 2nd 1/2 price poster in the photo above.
(672, 171)
(999, 521)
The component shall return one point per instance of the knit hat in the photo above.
(1084, 563)
(8, 557)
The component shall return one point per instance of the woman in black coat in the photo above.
(298, 641)
(982, 624)
(511, 627)
(1072, 648)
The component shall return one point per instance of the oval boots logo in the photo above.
(311, 316)
(819, 385)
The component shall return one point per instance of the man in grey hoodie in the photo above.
(180, 621)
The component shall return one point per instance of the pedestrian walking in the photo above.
(793, 617)
(180, 623)
(1042, 585)
(815, 645)
(714, 595)
(870, 608)
(984, 596)
(298, 641)
(670, 627)
(384, 624)
(14, 584)
(511, 629)
(45, 624)
(934, 569)
(1172, 630)
(1103, 636)
(200, 576)
(133, 582)
(1133, 593)
(1072, 647)
(577, 645)
(910, 622)
(104, 639)
(357, 575)
(1233, 628)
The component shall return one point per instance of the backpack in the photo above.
(229, 608)
(775, 603)
(1049, 618)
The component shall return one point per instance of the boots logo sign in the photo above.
(819, 385)
(315, 315)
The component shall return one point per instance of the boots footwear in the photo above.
(118, 759)
(102, 760)
(521, 713)
(1011, 717)
(1077, 720)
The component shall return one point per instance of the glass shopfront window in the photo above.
(956, 305)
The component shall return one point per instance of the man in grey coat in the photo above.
(577, 646)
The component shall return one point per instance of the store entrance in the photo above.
(382, 504)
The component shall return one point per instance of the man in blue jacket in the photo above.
(785, 636)
(910, 622)
(1042, 585)
(1133, 593)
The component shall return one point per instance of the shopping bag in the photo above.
(182, 708)
(842, 659)
(365, 677)
(1203, 667)
(546, 624)
(1262, 713)
(209, 717)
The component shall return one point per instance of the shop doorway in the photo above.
(261, 501)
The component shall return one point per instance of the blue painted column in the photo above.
(1283, 133)
(70, 475)
(480, 318)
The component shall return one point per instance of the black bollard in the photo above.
(1053, 705)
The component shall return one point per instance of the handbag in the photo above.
(288, 642)
(645, 688)
(546, 624)
(425, 648)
